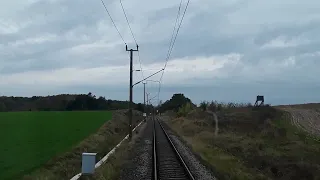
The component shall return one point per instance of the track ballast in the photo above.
(167, 162)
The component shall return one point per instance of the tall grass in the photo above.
(218, 106)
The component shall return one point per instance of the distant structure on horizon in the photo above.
(261, 99)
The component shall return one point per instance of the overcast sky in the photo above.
(226, 50)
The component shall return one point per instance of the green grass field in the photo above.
(29, 139)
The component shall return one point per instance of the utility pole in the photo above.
(130, 91)
(147, 108)
(144, 99)
(153, 113)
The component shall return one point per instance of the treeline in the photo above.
(63, 102)
(176, 102)
(181, 105)
(217, 106)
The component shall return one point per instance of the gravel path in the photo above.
(198, 170)
(140, 166)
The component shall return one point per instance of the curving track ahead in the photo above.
(167, 162)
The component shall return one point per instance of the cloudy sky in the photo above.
(226, 50)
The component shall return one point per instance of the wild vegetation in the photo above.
(115, 164)
(252, 143)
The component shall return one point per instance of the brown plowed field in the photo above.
(305, 116)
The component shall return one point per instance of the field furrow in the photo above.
(305, 119)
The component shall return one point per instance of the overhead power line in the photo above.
(140, 64)
(124, 12)
(173, 32)
(113, 22)
(173, 40)
(125, 15)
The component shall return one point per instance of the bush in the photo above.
(249, 105)
(216, 106)
(204, 105)
(263, 113)
(184, 110)
(213, 106)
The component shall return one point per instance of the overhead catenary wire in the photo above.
(105, 7)
(175, 38)
(140, 64)
(125, 14)
(173, 32)
(135, 40)
(178, 29)
(172, 42)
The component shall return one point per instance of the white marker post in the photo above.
(145, 117)
(88, 163)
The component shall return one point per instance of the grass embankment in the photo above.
(113, 167)
(108, 136)
(30, 139)
(251, 144)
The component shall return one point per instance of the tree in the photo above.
(204, 105)
(184, 110)
(176, 102)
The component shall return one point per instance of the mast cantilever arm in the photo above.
(147, 77)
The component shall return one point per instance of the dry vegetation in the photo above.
(251, 143)
(111, 169)
(68, 164)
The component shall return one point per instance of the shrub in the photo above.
(184, 110)
(213, 106)
(204, 105)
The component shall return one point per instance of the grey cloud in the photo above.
(210, 28)
(308, 29)
(59, 18)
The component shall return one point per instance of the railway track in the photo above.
(167, 162)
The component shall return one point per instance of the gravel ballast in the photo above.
(198, 170)
(140, 165)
